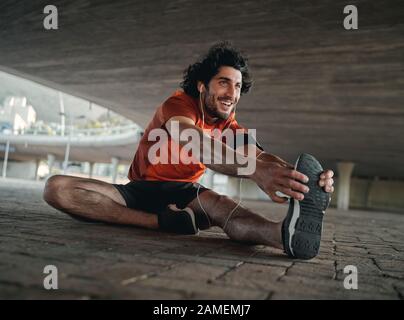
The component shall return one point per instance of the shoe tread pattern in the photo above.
(307, 238)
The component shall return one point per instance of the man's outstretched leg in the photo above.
(299, 234)
(94, 200)
(244, 225)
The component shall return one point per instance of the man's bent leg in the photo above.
(243, 225)
(94, 200)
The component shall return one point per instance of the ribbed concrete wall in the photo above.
(375, 194)
(364, 193)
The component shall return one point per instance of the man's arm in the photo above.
(269, 176)
(262, 155)
(216, 154)
(326, 178)
(247, 144)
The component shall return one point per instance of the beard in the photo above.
(210, 106)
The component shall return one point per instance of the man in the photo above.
(165, 195)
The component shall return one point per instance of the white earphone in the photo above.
(201, 88)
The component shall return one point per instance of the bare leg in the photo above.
(244, 225)
(94, 200)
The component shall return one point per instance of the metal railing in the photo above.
(72, 131)
(71, 137)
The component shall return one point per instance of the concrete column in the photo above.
(91, 170)
(114, 168)
(4, 174)
(37, 162)
(62, 113)
(67, 154)
(344, 181)
(51, 163)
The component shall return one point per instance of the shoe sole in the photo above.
(304, 222)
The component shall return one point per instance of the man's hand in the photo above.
(326, 181)
(273, 176)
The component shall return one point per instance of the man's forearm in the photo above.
(219, 157)
(231, 168)
(267, 157)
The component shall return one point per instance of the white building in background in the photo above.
(16, 115)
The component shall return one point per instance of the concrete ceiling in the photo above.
(319, 88)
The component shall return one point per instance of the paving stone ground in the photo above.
(99, 261)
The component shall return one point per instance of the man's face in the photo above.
(223, 93)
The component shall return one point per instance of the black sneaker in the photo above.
(302, 227)
(181, 221)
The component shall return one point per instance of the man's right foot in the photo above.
(302, 227)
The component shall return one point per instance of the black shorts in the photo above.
(155, 196)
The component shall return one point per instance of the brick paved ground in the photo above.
(102, 261)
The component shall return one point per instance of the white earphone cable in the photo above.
(238, 204)
(199, 186)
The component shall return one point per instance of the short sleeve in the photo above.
(179, 105)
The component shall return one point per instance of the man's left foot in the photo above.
(302, 227)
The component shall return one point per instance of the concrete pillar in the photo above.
(62, 113)
(91, 170)
(51, 163)
(67, 154)
(4, 174)
(344, 181)
(114, 168)
(37, 163)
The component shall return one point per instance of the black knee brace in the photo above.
(181, 221)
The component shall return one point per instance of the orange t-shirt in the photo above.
(179, 104)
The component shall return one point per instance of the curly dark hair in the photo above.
(220, 54)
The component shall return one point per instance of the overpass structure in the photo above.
(114, 144)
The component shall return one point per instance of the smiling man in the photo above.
(165, 195)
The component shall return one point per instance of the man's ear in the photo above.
(201, 86)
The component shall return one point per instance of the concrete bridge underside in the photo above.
(318, 88)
